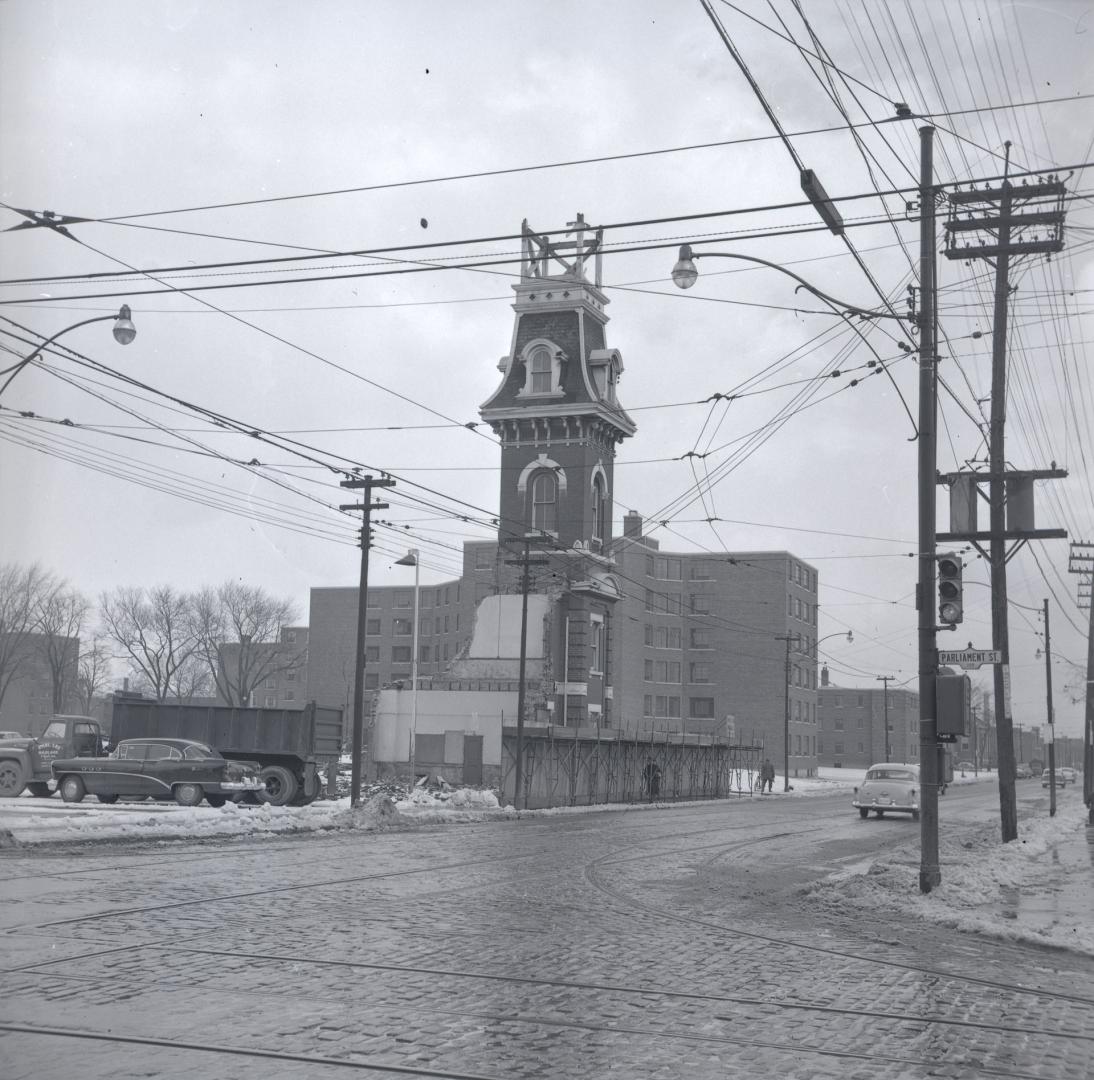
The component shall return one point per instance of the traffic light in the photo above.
(949, 588)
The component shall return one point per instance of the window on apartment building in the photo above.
(664, 568)
(270, 701)
(290, 695)
(789, 571)
(484, 558)
(424, 626)
(700, 673)
(701, 708)
(372, 626)
(838, 723)
(290, 637)
(402, 598)
(820, 747)
(662, 671)
(372, 654)
(372, 680)
(838, 702)
(663, 603)
(862, 748)
(372, 599)
(665, 705)
(701, 638)
(423, 654)
(447, 594)
(861, 722)
(701, 571)
(862, 701)
(446, 624)
(446, 650)
(436, 624)
(402, 627)
(839, 747)
(400, 654)
(290, 676)
(662, 637)
(700, 603)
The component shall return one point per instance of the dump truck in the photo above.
(25, 761)
(292, 747)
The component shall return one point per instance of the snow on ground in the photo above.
(1038, 888)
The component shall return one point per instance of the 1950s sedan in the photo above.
(182, 769)
(889, 788)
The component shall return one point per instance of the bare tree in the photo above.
(238, 628)
(93, 674)
(192, 679)
(61, 612)
(21, 587)
(154, 627)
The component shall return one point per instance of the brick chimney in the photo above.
(632, 524)
(824, 675)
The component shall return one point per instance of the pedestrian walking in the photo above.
(767, 777)
(652, 775)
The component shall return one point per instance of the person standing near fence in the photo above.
(767, 777)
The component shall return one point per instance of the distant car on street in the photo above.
(966, 766)
(182, 769)
(1068, 773)
(1023, 772)
(889, 787)
(1063, 777)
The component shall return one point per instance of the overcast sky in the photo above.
(233, 132)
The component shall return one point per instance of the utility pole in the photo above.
(525, 562)
(1051, 719)
(1010, 495)
(886, 679)
(368, 483)
(1082, 562)
(929, 873)
(788, 638)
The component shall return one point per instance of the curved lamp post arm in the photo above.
(685, 274)
(124, 333)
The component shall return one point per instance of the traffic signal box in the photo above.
(950, 588)
(953, 706)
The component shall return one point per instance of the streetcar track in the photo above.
(536, 983)
(593, 875)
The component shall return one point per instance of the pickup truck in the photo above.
(25, 762)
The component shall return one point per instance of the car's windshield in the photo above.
(889, 774)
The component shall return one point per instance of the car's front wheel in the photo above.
(72, 789)
(188, 794)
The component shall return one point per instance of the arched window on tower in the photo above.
(541, 371)
(544, 491)
(599, 509)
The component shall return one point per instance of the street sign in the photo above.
(970, 658)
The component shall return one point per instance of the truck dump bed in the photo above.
(309, 733)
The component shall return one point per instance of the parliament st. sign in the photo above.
(970, 658)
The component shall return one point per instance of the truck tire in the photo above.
(72, 789)
(11, 779)
(281, 785)
(188, 794)
(308, 793)
(39, 789)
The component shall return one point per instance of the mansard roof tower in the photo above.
(559, 421)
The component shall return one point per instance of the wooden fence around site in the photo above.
(582, 767)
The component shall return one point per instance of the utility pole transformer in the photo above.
(1004, 214)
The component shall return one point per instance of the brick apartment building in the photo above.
(851, 725)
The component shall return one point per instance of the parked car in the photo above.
(889, 787)
(183, 769)
(1062, 777)
(1022, 771)
(965, 766)
(1068, 773)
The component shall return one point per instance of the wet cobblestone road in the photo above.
(655, 943)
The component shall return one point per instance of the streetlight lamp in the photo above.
(411, 559)
(685, 273)
(124, 333)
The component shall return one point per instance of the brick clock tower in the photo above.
(559, 421)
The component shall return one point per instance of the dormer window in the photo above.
(543, 367)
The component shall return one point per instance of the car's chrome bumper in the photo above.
(242, 785)
(907, 808)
